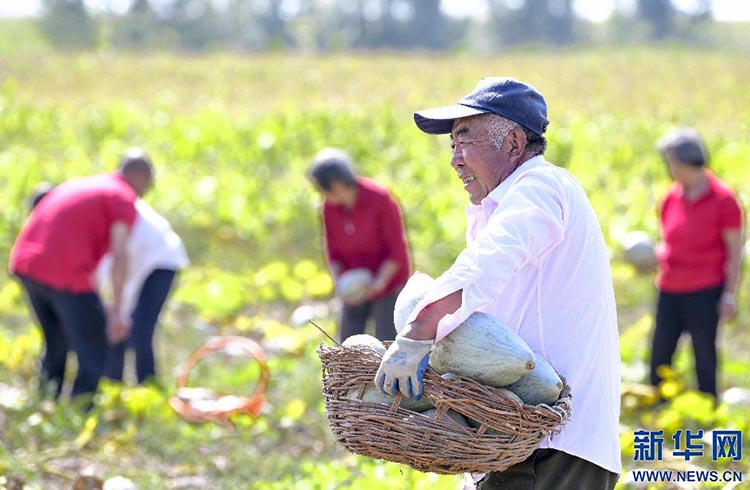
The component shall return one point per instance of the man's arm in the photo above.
(733, 244)
(335, 269)
(385, 273)
(405, 362)
(119, 327)
(394, 236)
(425, 326)
(527, 224)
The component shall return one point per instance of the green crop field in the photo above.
(231, 137)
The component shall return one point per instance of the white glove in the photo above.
(403, 367)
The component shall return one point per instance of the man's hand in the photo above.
(376, 287)
(727, 307)
(403, 367)
(118, 329)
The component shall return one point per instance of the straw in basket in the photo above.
(507, 432)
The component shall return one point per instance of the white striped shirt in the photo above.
(536, 260)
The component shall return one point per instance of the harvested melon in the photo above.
(640, 250)
(373, 395)
(352, 285)
(364, 340)
(542, 385)
(450, 416)
(413, 292)
(484, 349)
(513, 396)
(508, 394)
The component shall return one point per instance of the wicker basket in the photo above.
(221, 408)
(507, 434)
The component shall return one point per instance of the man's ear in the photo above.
(516, 142)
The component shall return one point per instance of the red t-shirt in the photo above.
(67, 233)
(369, 234)
(694, 253)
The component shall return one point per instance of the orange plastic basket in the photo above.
(220, 408)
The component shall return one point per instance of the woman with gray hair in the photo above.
(699, 257)
(364, 231)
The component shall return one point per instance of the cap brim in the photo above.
(440, 120)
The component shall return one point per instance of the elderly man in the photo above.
(55, 256)
(535, 259)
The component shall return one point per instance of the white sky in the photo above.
(723, 10)
(594, 10)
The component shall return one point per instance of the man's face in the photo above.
(340, 194)
(479, 163)
(681, 172)
(141, 183)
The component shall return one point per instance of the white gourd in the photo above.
(512, 395)
(639, 250)
(508, 394)
(542, 385)
(352, 285)
(484, 349)
(373, 395)
(364, 340)
(450, 416)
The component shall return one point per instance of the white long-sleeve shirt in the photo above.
(152, 244)
(536, 260)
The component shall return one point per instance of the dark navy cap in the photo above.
(505, 97)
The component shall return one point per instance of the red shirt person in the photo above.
(699, 258)
(55, 256)
(694, 254)
(363, 228)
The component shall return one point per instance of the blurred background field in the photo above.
(231, 132)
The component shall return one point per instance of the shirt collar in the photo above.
(490, 202)
(710, 190)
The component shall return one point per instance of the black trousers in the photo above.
(354, 318)
(696, 313)
(69, 322)
(550, 469)
(151, 299)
